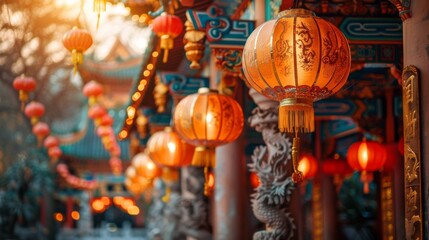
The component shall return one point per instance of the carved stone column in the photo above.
(272, 197)
(155, 217)
(194, 208)
(172, 214)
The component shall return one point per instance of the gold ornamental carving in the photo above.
(194, 41)
(412, 171)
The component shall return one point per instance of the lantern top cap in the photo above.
(206, 90)
(167, 129)
(296, 12)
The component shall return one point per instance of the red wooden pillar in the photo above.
(69, 210)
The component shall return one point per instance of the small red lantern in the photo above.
(307, 165)
(34, 110)
(167, 27)
(77, 41)
(116, 165)
(96, 113)
(51, 141)
(24, 85)
(366, 156)
(336, 167)
(54, 153)
(106, 120)
(92, 91)
(41, 130)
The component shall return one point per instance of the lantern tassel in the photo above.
(204, 157)
(23, 97)
(166, 44)
(296, 115)
(77, 58)
(296, 175)
(366, 178)
(207, 190)
(166, 197)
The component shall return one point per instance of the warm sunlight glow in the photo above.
(209, 117)
(105, 200)
(150, 165)
(98, 205)
(211, 180)
(127, 203)
(118, 200)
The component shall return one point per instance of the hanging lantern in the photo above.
(366, 156)
(34, 110)
(77, 41)
(145, 167)
(51, 141)
(206, 120)
(308, 166)
(24, 85)
(296, 59)
(54, 153)
(167, 27)
(92, 91)
(96, 113)
(41, 130)
(116, 165)
(99, 6)
(167, 149)
(337, 168)
(106, 120)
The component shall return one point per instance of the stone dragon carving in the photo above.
(172, 214)
(194, 205)
(155, 216)
(269, 162)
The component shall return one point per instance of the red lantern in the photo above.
(308, 166)
(96, 113)
(366, 156)
(34, 110)
(166, 148)
(51, 141)
(167, 27)
(24, 85)
(116, 165)
(92, 90)
(54, 153)
(77, 41)
(41, 130)
(106, 120)
(338, 168)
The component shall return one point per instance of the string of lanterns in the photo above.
(103, 123)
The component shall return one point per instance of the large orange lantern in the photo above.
(145, 167)
(167, 27)
(296, 59)
(24, 85)
(34, 110)
(166, 148)
(366, 156)
(207, 119)
(77, 41)
(308, 166)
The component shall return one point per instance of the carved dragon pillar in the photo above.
(269, 162)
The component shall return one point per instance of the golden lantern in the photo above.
(167, 149)
(145, 167)
(296, 59)
(206, 120)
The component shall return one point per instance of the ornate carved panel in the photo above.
(412, 170)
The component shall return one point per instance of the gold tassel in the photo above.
(77, 58)
(204, 157)
(296, 175)
(166, 44)
(166, 197)
(207, 189)
(366, 178)
(296, 115)
(23, 97)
